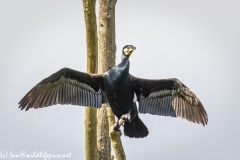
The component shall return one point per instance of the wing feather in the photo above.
(66, 86)
(168, 97)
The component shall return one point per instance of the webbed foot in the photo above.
(116, 127)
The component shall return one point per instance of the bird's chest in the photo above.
(120, 95)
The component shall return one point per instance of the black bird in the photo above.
(164, 97)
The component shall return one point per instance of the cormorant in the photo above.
(164, 97)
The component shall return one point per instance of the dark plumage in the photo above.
(164, 97)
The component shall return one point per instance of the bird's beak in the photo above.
(128, 51)
(132, 48)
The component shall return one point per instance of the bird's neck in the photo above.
(124, 57)
(124, 65)
(121, 71)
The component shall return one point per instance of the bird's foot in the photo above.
(116, 127)
(126, 117)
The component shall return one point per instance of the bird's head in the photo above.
(128, 49)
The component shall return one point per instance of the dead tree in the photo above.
(107, 55)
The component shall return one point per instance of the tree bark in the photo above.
(107, 43)
(92, 67)
(115, 137)
(107, 56)
(103, 141)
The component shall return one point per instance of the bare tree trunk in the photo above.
(107, 43)
(107, 56)
(103, 141)
(115, 137)
(92, 67)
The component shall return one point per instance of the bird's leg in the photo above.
(129, 116)
(118, 124)
(116, 127)
(126, 118)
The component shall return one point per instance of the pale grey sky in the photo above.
(197, 42)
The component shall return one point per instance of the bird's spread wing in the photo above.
(66, 86)
(168, 97)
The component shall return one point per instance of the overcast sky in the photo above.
(197, 42)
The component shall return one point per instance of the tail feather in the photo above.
(135, 129)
